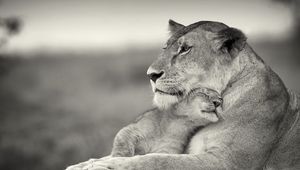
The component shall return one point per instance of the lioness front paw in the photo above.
(115, 163)
(82, 165)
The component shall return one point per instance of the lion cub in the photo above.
(168, 131)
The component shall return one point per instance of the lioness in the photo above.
(260, 127)
(168, 131)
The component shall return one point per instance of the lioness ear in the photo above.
(229, 40)
(174, 26)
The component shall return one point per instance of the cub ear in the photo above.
(230, 40)
(174, 26)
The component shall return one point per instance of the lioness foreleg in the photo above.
(158, 161)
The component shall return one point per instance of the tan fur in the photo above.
(260, 126)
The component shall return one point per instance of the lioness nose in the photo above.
(154, 75)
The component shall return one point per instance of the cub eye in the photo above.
(184, 49)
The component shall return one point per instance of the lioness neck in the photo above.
(252, 73)
(244, 63)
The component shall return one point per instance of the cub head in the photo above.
(203, 54)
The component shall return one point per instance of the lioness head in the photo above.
(202, 54)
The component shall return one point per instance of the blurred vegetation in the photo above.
(10, 26)
(13, 24)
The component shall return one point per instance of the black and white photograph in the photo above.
(149, 84)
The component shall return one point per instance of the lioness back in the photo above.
(288, 150)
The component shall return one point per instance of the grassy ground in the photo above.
(58, 109)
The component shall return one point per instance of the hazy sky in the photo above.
(113, 24)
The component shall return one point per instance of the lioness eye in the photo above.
(184, 49)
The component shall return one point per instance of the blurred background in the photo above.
(73, 72)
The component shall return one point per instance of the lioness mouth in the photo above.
(178, 93)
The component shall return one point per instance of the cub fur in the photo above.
(168, 131)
